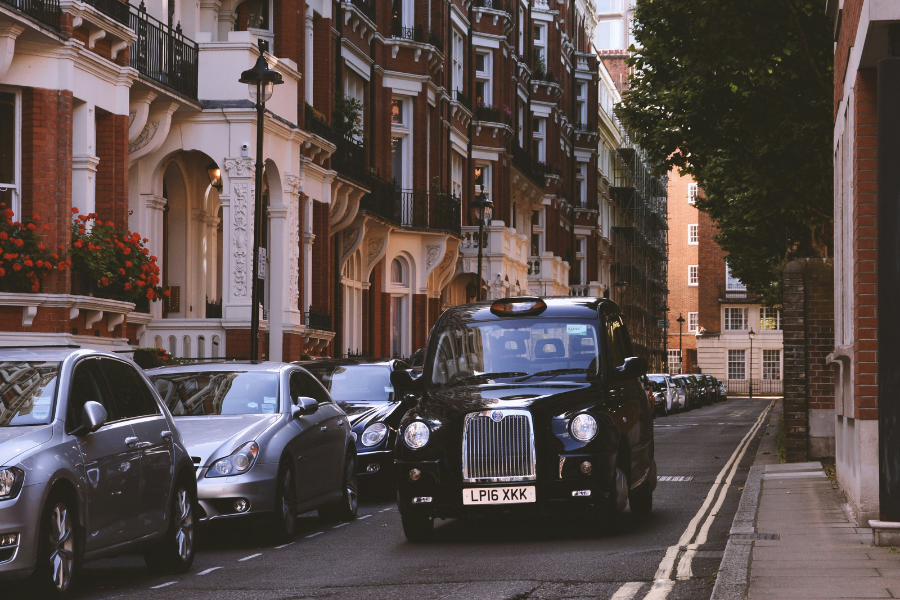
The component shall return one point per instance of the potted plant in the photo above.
(24, 259)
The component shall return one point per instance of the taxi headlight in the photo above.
(584, 427)
(416, 435)
(235, 464)
(374, 434)
(10, 482)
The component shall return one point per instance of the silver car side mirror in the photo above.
(304, 405)
(93, 417)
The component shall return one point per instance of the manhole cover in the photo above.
(674, 478)
(756, 536)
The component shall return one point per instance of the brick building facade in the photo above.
(366, 229)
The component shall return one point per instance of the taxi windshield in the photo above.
(516, 351)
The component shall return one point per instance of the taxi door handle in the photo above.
(323, 429)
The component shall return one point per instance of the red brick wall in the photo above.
(323, 67)
(321, 258)
(711, 261)
(820, 334)
(237, 343)
(419, 321)
(865, 238)
(112, 171)
(846, 38)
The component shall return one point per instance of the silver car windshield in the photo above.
(356, 383)
(218, 392)
(27, 390)
(516, 350)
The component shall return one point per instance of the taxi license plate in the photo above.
(499, 495)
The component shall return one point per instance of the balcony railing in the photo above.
(163, 54)
(532, 168)
(325, 131)
(436, 40)
(414, 208)
(589, 127)
(735, 294)
(318, 319)
(414, 34)
(45, 11)
(501, 5)
(366, 8)
(460, 97)
(493, 114)
(114, 9)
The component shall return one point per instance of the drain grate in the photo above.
(675, 478)
(755, 536)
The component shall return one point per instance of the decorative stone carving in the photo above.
(241, 224)
(375, 247)
(239, 167)
(432, 253)
(131, 117)
(292, 184)
(350, 237)
(145, 136)
(294, 262)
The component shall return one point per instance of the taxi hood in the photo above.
(455, 401)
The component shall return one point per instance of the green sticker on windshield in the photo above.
(576, 329)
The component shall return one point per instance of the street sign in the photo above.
(263, 264)
(663, 324)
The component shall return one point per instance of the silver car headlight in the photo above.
(416, 435)
(10, 482)
(374, 434)
(584, 427)
(235, 464)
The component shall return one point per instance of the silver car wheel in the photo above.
(184, 537)
(352, 485)
(62, 547)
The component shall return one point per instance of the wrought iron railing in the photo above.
(114, 9)
(502, 5)
(414, 34)
(493, 114)
(366, 8)
(318, 319)
(761, 387)
(735, 294)
(315, 125)
(589, 127)
(532, 168)
(460, 97)
(414, 208)
(45, 11)
(163, 54)
(436, 40)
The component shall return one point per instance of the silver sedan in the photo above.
(91, 465)
(265, 439)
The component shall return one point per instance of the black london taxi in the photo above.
(526, 406)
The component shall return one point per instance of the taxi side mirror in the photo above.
(403, 381)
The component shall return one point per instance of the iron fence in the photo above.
(45, 11)
(761, 387)
(501, 5)
(533, 169)
(318, 319)
(436, 40)
(114, 9)
(732, 294)
(493, 114)
(419, 209)
(163, 54)
(414, 34)
(460, 97)
(366, 8)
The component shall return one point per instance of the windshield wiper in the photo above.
(487, 376)
(552, 373)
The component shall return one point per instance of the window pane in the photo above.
(7, 140)
(737, 364)
(397, 111)
(771, 364)
(131, 401)
(397, 161)
(88, 385)
(480, 60)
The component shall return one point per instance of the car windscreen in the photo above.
(218, 392)
(515, 351)
(27, 390)
(355, 383)
(659, 379)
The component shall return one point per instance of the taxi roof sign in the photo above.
(518, 307)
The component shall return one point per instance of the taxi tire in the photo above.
(41, 582)
(640, 500)
(417, 528)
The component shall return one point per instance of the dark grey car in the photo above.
(265, 438)
(90, 465)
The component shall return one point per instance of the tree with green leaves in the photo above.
(739, 95)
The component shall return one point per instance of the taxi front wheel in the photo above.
(416, 527)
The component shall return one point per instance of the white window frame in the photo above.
(732, 283)
(521, 31)
(538, 229)
(403, 131)
(355, 87)
(401, 290)
(540, 42)
(485, 78)
(764, 315)
(487, 182)
(774, 366)
(693, 319)
(693, 275)
(693, 191)
(581, 184)
(15, 187)
(456, 173)
(693, 234)
(539, 134)
(736, 356)
(521, 126)
(730, 320)
(675, 361)
(457, 61)
(581, 255)
(581, 103)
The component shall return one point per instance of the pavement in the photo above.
(793, 537)
(703, 456)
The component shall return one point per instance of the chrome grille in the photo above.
(498, 450)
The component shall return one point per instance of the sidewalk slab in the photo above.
(820, 553)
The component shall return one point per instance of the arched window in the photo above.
(401, 304)
(398, 273)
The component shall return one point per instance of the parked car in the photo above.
(266, 439)
(703, 396)
(690, 389)
(363, 389)
(723, 389)
(674, 399)
(658, 399)
(712, 386)
(527, 406)
(91, 465)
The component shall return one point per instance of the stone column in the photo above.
(237, 254)
(308, 56)
(84, 158)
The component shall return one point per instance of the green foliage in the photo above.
(738, 94)
(347, 116)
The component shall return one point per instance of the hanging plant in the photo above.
(114, 261)
(24, 259)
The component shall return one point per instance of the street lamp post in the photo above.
(751, 335)
(680, 320)
(480, 208)
(261, 82)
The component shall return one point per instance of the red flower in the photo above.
(29, 264)
(121, 271)
(41, 247)
(167, 293)
(17, 267)
(104, 280)
(78, 243)
(8, 213)
(40, 264)
(128, 263)
(19, 243)
(149, 294)
(146, 240)
(81, 230)
(61, 266)
(75, 210)
(127, 286)
(55, 256)
(153, 259)
(109, 224)
(37, 218)
(144, 251)
(30, 226)
(3, 235)
(126, 251)
(45, 227)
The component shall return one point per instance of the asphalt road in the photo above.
(679, 547)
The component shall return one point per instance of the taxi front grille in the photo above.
(498, 445)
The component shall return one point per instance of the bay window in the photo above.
(539, 139)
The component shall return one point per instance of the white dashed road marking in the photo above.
(341, 525)
(315, 534)
(249, 557)
(284, 545)
(364, 517)
(156, 587)
(208, 571)
(627, 591)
